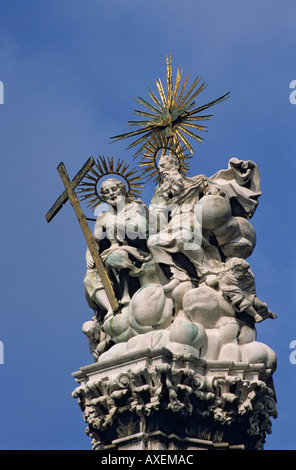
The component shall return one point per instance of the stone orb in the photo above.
(243, 245)
(216, 211)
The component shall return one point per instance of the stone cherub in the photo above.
(237, 283)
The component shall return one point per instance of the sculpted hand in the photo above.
(89, 261)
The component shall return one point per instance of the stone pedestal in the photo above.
(156, 400)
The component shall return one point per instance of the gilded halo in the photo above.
(103, 167)
(154, 149)
(171, 119)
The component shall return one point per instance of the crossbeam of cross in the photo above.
(69, 194)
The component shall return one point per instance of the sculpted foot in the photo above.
(258, 318)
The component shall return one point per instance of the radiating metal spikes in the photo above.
(102, 167)
(171, 119)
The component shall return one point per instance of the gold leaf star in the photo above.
(170, 120)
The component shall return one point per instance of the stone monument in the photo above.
(176, 364)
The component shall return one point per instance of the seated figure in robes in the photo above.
(120, 234)
(202, 221)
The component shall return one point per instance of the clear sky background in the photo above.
(70, 69)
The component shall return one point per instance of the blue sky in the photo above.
(70, 70)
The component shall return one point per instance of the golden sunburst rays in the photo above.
(103, 167)
(154, 149)
(173, 117)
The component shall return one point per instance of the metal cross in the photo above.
(70, 194)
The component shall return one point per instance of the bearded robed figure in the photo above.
(202, 221)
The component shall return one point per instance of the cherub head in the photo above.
(238, 266)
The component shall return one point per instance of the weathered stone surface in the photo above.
(178, 401)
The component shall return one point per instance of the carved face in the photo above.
(113, 191)
(240, 270)
(167, 164)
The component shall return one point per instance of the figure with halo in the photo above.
(120, 233)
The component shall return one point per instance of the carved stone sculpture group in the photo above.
(184, 340)
(179, 269)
